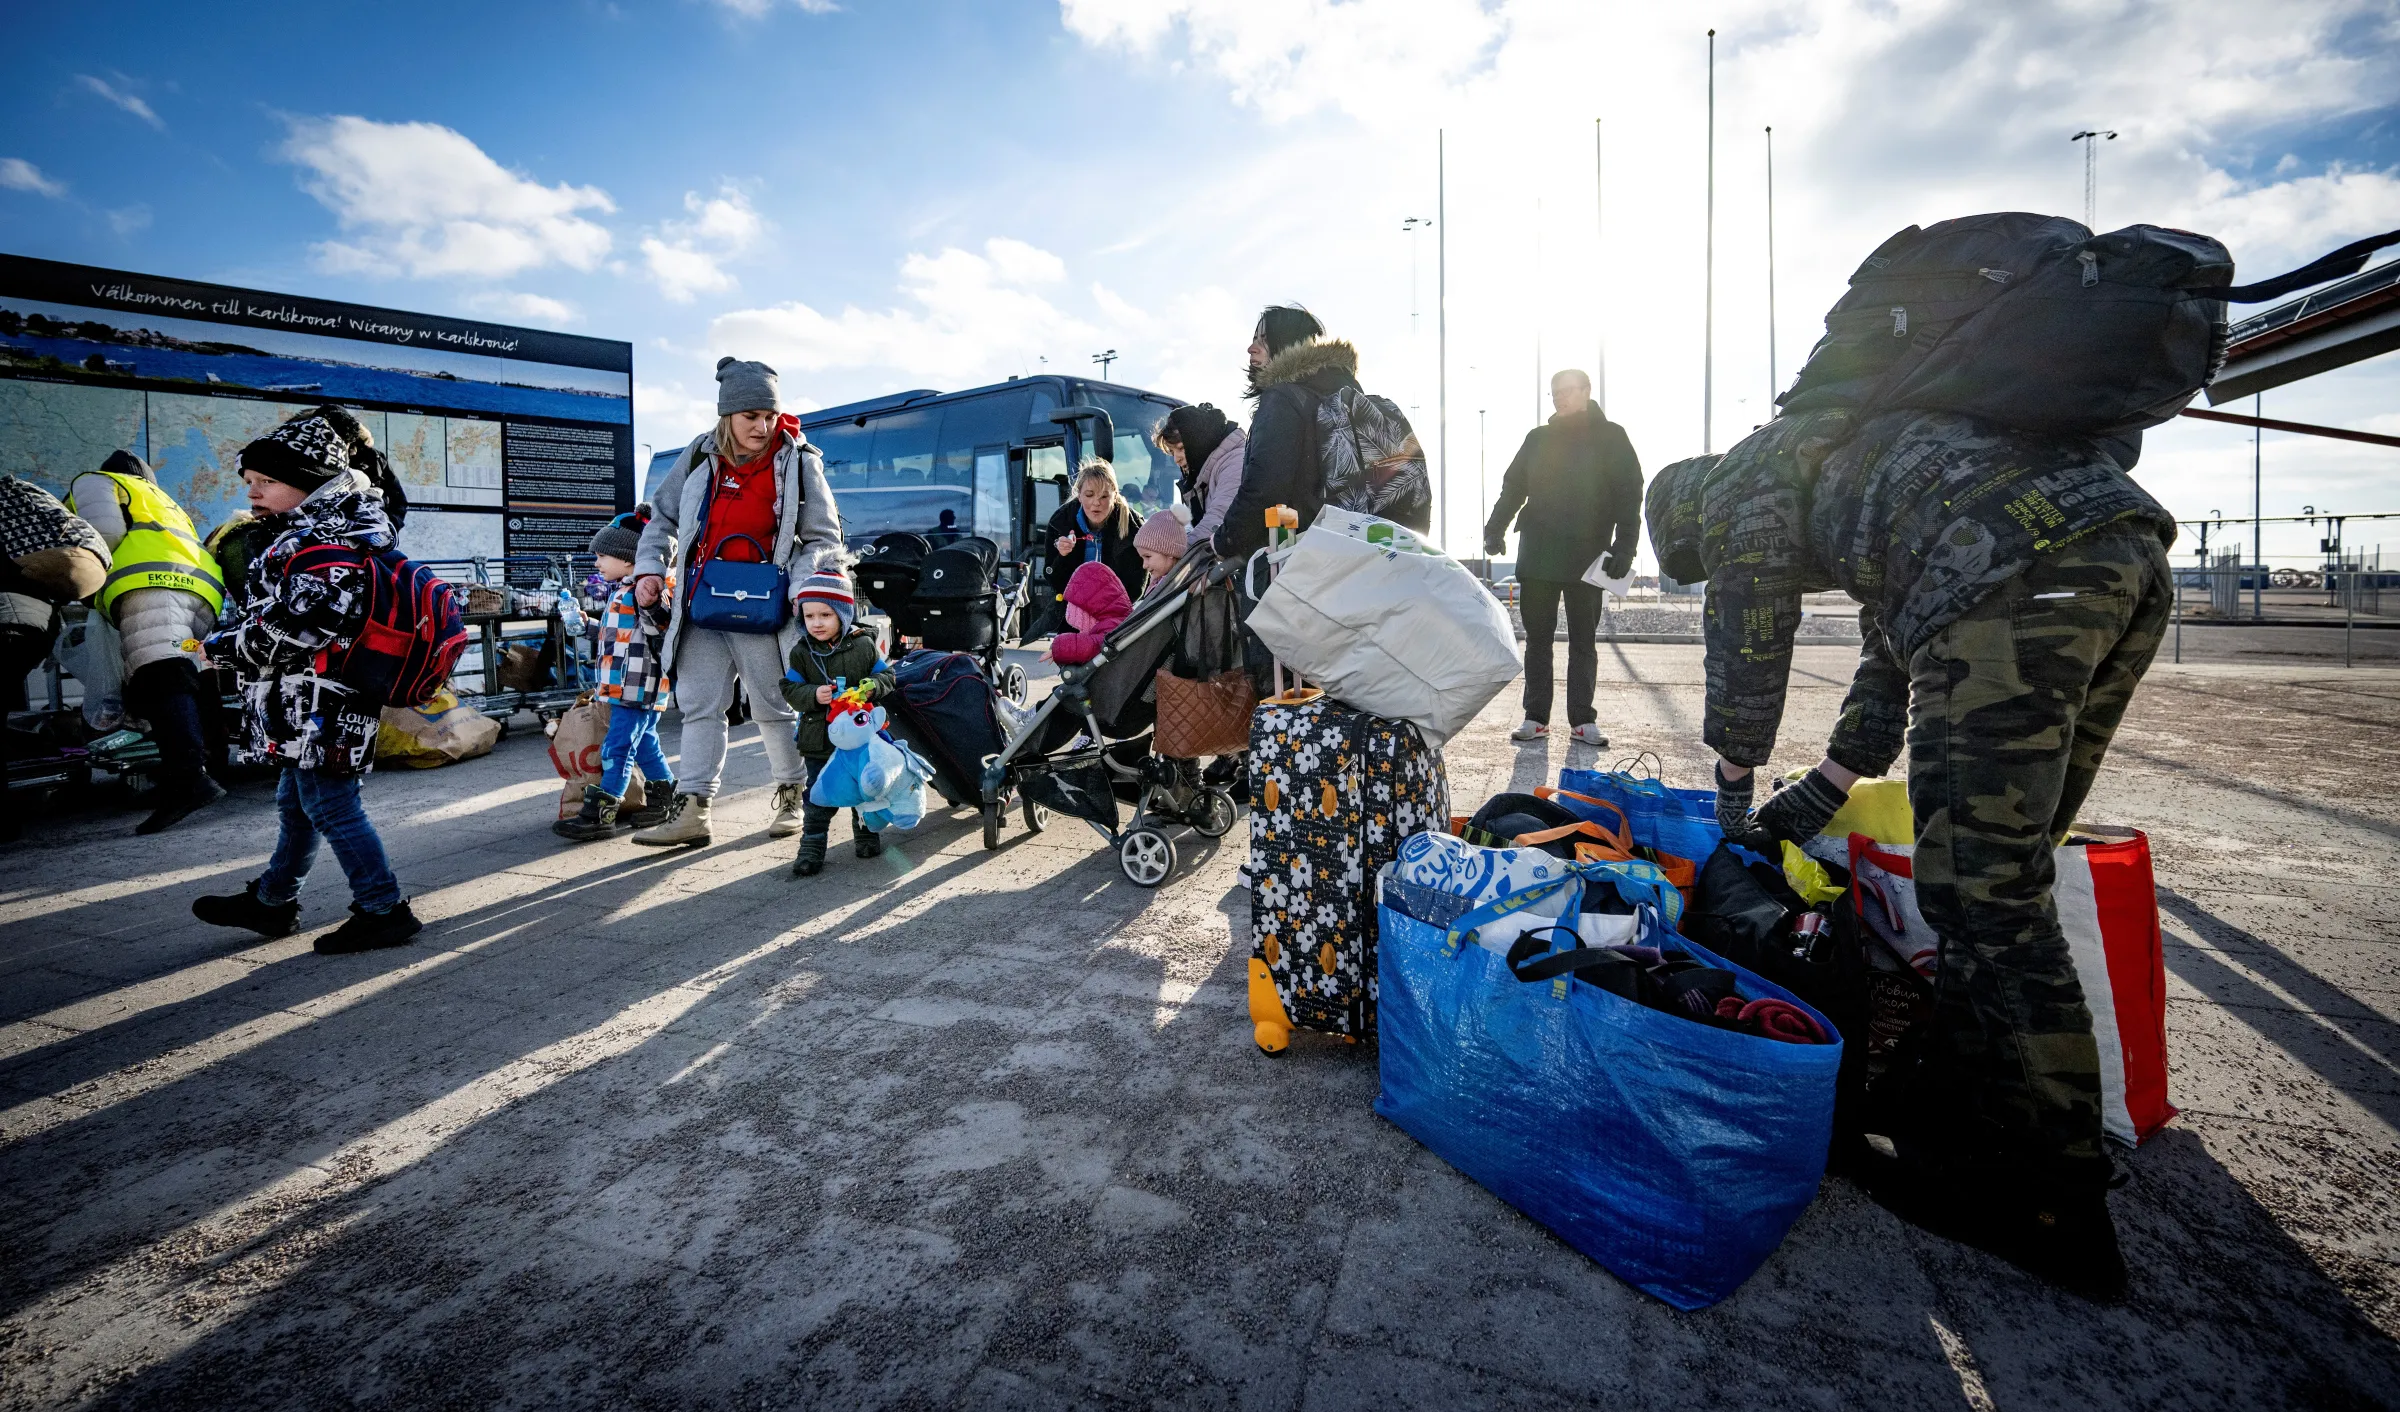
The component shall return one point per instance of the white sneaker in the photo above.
(1589, 734)
(1531, 730)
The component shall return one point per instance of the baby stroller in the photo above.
(1088, 744)
(958, 598)
(944, 708)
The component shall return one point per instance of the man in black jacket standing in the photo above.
(1579, 486)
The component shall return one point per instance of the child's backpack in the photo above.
(1371, 460)
(413, 635)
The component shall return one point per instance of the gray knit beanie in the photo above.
(745, 387)
(621, 538)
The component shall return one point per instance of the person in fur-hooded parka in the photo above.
(1292, 369)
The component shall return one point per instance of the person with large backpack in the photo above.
(1318, 438)
(1955, 456)
(333, 625)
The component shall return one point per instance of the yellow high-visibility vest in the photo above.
(159, 549)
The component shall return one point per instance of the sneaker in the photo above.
(244, 910)
(1589, 734)
(686, 823)
(1531, 730)
(182, 804)
(370, 931)
(812, 856)
(789, 800)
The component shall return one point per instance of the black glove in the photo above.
(1618, 566)
(1733, 802)
(1495, 545)
(1801, 810)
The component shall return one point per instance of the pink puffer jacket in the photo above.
(1096, 603)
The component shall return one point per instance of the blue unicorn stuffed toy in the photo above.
(880, 778)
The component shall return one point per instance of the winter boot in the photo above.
(370, 931)
(658, 801)
(812, 856)
(686, 824)
(864, 841)
(598, 818)
(790, 799)
(180, 802)
(244, 910)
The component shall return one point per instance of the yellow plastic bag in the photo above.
(1877, 808)
(440, 732)
(1807, 876)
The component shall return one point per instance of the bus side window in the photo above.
(991, 495)
(1046, 476)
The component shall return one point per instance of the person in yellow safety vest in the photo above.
(162, 591)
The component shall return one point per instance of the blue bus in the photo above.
(994, 461)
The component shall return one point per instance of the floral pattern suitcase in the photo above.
(1333, 792)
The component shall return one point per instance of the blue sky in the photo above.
(880, 196)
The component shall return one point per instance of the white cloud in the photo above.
(534, 308)
(687, 258)
(131, 103)
(17, 174)
(126, 220)
(1289, 56)
(422, 200)
(969, 318)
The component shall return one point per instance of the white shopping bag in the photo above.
(1387, 624)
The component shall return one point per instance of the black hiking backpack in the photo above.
(1370, 458)
(2036, 324)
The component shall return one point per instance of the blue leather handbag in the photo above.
(729, 595)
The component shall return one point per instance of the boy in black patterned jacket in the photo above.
(307, 595)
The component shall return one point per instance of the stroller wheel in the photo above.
(1214, 818)
(1012, 683)
(1037, 818)
(1147, 856)
(991, 826)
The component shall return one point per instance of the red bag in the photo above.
(2107, 905)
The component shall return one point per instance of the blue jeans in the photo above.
(311, 804)
(632, 740)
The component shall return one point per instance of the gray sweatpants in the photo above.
(705, 663)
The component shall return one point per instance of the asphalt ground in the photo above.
(956, 1128)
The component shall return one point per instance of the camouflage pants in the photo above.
(2011, 710)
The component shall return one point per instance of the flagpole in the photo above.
(1773, 384)
(1441, 304)
(1708, 316)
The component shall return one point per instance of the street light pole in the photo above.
(1599, 265)
(1411, 225)
(1772, 381)
(1708, 304)
(2091, 138)
(1441, 316)
(1104, 359)
(1482, 491)
(2258, 523)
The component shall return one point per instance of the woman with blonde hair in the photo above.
(1095, 527)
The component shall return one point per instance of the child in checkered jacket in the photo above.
(633, 680)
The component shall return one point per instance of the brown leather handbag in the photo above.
(1211, 717)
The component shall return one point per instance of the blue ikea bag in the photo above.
(1682, 822)
(1675, 1154)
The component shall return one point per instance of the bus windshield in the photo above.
(1145, 474)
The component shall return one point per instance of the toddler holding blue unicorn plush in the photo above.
(833, 656)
